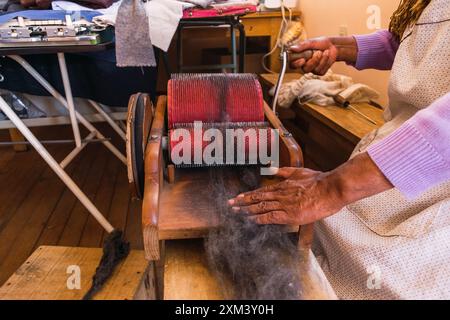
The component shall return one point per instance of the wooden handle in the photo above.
(341, 101)
(301, 55)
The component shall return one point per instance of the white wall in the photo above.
(325, 18)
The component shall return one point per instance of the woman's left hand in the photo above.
(306, 196)
(303, 197)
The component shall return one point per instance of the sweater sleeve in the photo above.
(416, 156)
(376, 50)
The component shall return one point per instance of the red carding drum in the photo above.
(219, 101)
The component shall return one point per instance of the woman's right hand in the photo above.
(324, 56)
(327, 50)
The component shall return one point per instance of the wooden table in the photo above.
(259, 24)
(328, 135)
(262, 24)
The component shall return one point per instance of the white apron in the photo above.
(386, 247)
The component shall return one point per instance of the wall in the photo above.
(325, 17)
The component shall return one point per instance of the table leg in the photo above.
(108, 119)
(242, 46)
(180, 48)
(16, 136)
(233, 49)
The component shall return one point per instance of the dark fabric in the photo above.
(14, 5)
(93, 76)
(49, 15)
(7, 6)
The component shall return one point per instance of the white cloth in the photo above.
(321, 90)
(218, 4)
(201, 3)
(71, 6)
(108, 16)
(385, 246)
(164, 17)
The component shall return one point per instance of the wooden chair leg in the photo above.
(160, 271)
(171, 173)
(16, 136)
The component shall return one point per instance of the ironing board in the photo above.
(75, 117)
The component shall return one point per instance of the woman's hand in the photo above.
(327, 51)
(303, 197)
(325, 55)
(306, 196)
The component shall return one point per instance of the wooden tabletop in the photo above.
(344, 121)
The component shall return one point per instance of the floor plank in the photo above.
(37, 209)
(55, 225)
(93, 232)
(25, 227)
(78, 217)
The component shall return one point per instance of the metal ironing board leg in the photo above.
(108, 119)
(69, 98)
(55, 166)
(75, 116)
(65, 103)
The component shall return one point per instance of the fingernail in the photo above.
(240, 196)
(236, 209)
(231, 202)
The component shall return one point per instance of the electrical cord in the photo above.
(283, 26)
(279, 82)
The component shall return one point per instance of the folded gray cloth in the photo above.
(133, 45)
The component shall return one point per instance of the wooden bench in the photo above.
(46, 274)
(50, 274)
(187, 276)
(327, 135)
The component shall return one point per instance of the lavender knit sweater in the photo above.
(416, 156)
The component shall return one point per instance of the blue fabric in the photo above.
(92, 76)
(50, 15)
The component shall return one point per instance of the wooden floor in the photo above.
(37, 209)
